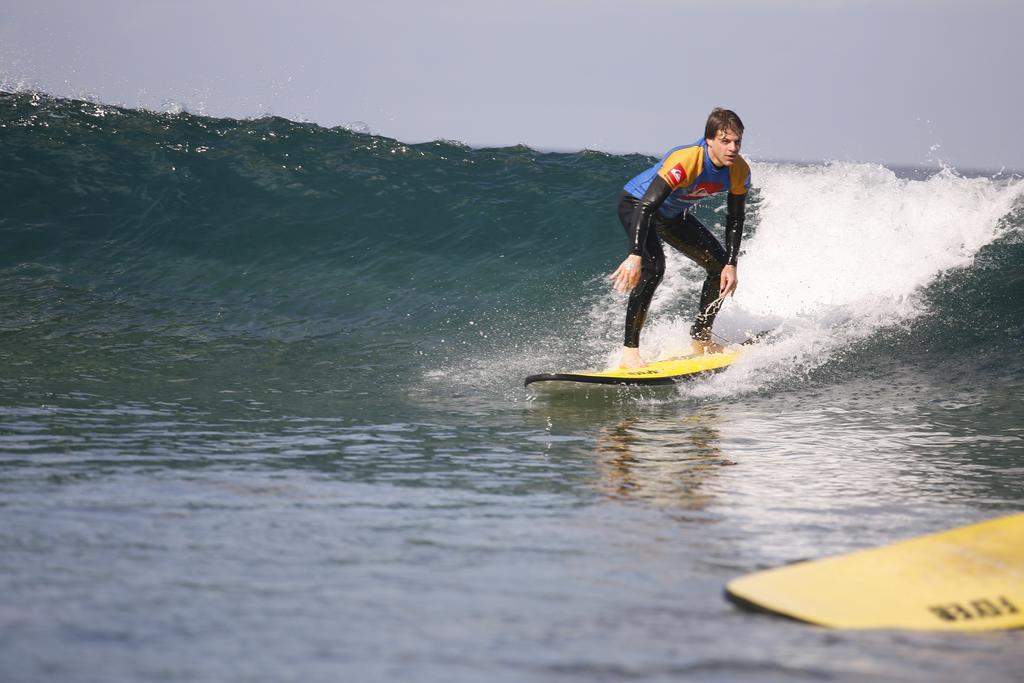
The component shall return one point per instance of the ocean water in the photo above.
(262, 414)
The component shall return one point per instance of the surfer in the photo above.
(655, 207)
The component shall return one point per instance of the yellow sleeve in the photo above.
(682, 167)
(739, 176)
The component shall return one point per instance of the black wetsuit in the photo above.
(647, 227)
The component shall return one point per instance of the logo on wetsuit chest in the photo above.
(701, 190)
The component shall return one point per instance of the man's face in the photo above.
(725, 147)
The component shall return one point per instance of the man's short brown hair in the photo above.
(722, 119)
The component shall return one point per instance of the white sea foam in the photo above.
(839, 251)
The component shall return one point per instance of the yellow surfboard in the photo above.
(966, 579)
(659, 373)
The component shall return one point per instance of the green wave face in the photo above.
(230, 241)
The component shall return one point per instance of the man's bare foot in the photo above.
(631, 359)
(699, 347)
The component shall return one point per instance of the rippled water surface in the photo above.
(520, 540)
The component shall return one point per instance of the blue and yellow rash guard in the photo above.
(684, 176)
(689, 173)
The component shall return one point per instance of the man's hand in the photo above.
(627, 275)
(728, 282)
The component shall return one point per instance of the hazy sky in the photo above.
(911, 82)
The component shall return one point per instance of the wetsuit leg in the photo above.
(688, 235)
(652, 270)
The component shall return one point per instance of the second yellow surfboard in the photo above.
(969, 578)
